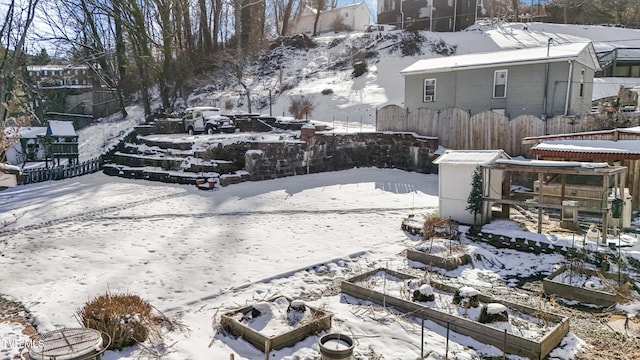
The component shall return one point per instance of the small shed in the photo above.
(8, 175)
(455, 169)
(546, 197)
(28, 147)
(61, 142)
(619, 147)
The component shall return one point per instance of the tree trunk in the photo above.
(217, 12)
(315, 22)
(286, 16)
(205, 32)
(164, 75)
(120, 58)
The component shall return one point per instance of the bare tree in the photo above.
(287, 15)
(204, 33)
(13, 33)
(320, 5)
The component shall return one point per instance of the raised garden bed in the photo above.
(439, 253)
(275, 323)
(542, 333)
(584, 285)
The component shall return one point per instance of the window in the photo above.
(582, 82)
(500, 84)
(429, 90)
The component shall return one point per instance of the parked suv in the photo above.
(206, 119)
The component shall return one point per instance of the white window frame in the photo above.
(428, 97)
(495, 82)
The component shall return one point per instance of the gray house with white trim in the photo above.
(541, 81)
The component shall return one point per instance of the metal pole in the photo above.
(446, 351)
(504, 346)
(422, 339)
(455, 14)
(431, 17)
(401, 16)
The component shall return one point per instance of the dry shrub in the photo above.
(301, 106)
(127, 319)
(433, 225)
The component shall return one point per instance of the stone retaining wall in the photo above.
(331, 152)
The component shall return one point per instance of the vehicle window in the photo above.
(210, 112)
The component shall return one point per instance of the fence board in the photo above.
(457, 129)
(62, 172)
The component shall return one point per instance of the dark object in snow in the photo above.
(296, 305)
(336, 347)
(424, 293)
(467, 297)
(298, 41)
(493, 312)
(206, 184)
(359, 68)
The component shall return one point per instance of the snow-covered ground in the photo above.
(193, 253)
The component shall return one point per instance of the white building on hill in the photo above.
(355, 17)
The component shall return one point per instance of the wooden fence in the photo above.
(457, 129)
(62, 172)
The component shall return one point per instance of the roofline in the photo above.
(485, 66)
(545, 60)
(537, 139)
(499, 153)
(586, 155)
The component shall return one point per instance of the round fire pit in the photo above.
(68, 344)
(336, 347)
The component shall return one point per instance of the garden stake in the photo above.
(422, 339)
(504, 346)
(446, 351)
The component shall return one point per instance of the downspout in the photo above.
(569, 79)
(546, 85)
(401, 16)
(455, 14)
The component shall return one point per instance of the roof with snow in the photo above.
(610, 86)
(61, 128)
(312, 10)
(592, 149)
(557, 167)
(471, 157)
(524, 56)
(633, 132)
(56, 67)
(32, 132)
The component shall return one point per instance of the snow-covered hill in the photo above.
(328, 66)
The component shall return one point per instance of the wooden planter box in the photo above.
(584, 295)
(321, 321)
(448, 263)
(510, 343)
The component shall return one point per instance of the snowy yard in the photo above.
(195, 254)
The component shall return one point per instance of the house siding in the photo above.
(417, 13)
(472, 90)
(355, 17)
(361, 18)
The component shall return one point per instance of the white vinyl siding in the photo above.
(429, 90)
(500, 83)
